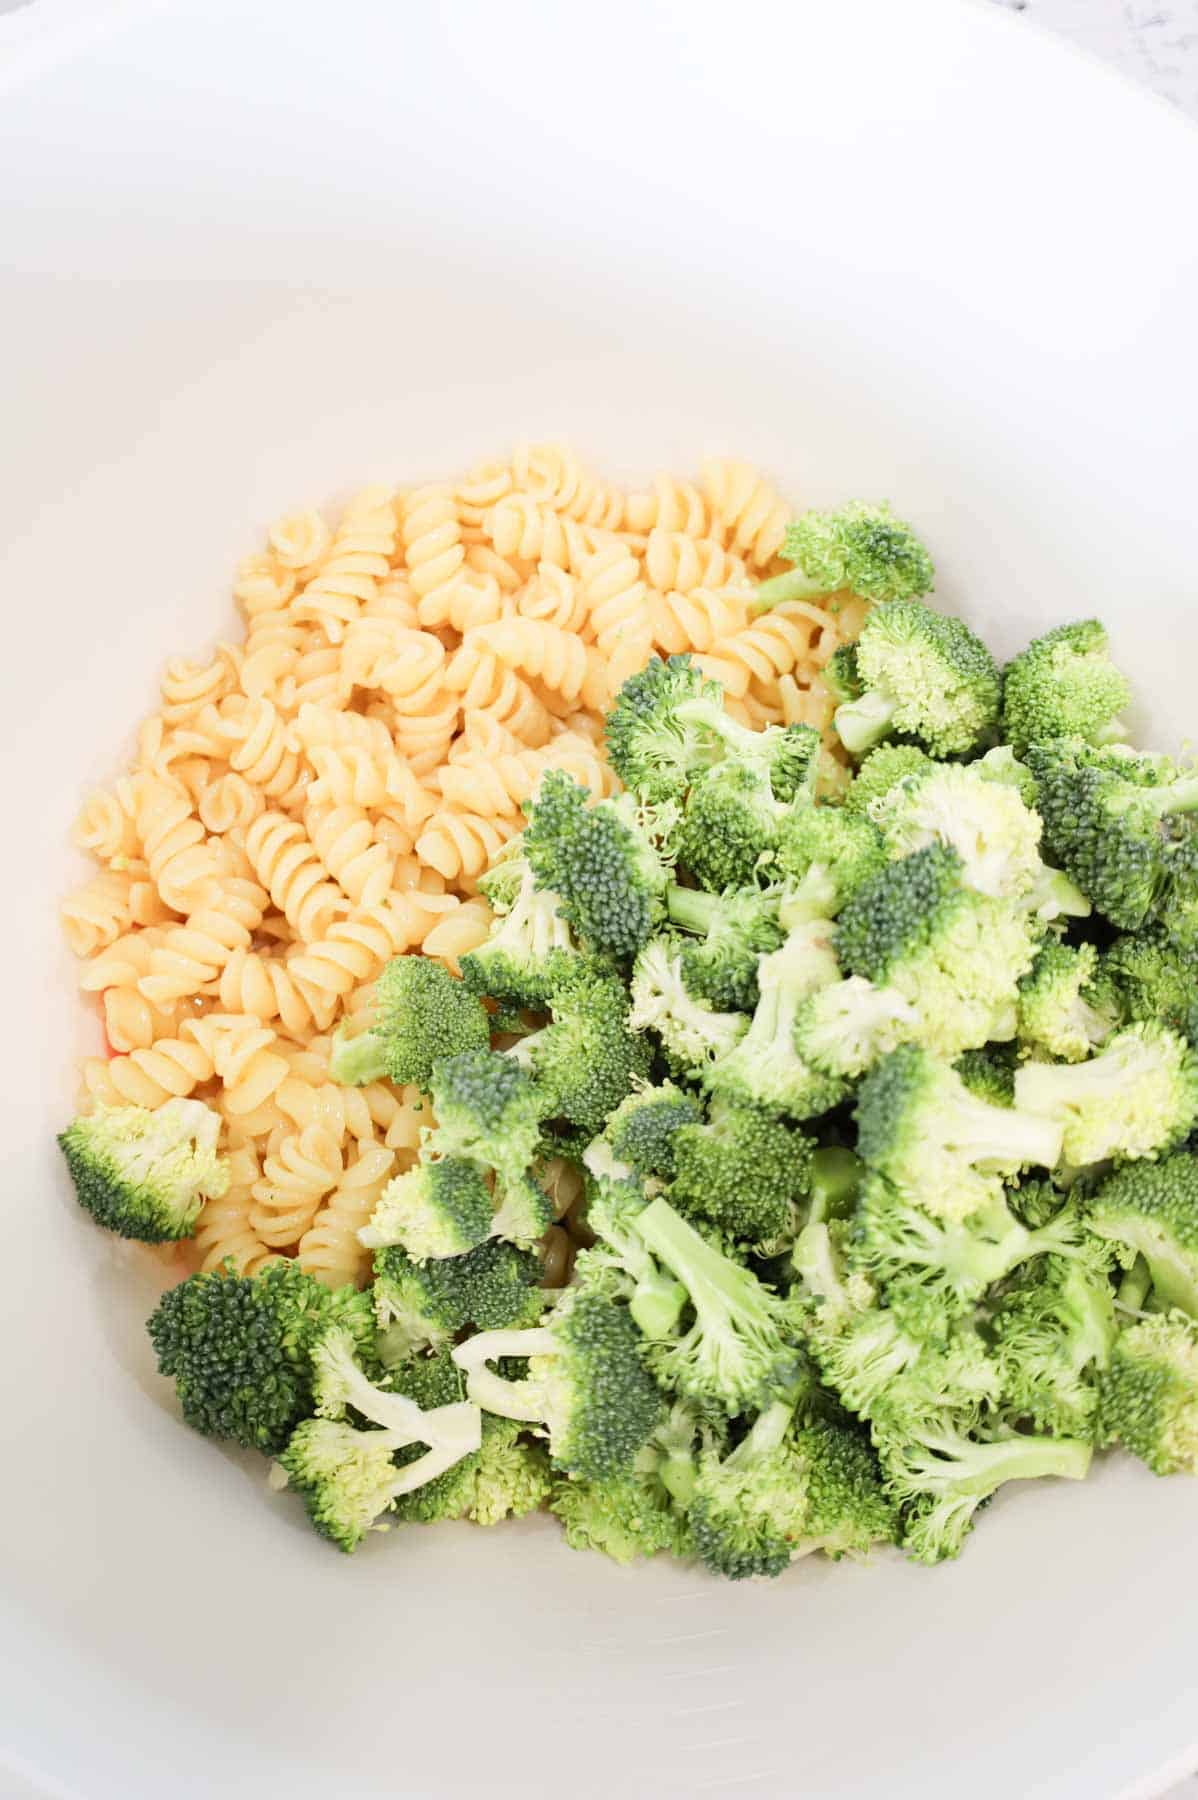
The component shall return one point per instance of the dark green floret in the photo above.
(882, 770)
(239, 1349)
(1155, 973)
(144, 1174)
(989, 1074)
(421, 1305)
(506, 1477)
(586, 1059)
(435, 1209)
(1150, 1209)
(488, 1110)
(862, 547)
(1149, 1400)
(530, 951)
(655, 749)
(839, 674)
(1064, 685)
(845, 847)
(643, 1129)
(924, 675)
(733, 932)
(639, 1513)
(744, 1172)
(422, 1015)
(600, 861)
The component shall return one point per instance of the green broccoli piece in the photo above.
(530, 951)
(954, 955)
(636, 1513)
(862, 547)
(1149, 1397)
(1137, 1097)
(882, 770)
(643, 1128)
(586, 1383)
(844, 1028)
(941, 1476)
(1053, 1331)
(1119, 825)
(654, 747)
(619, 1261)
(744, 1172)
(839, 674)
(729, 828)
(692, 1033)
(733, 932)
(1060, 1011)
(420, 1305)
(1002, 765)
(1155, 975)
(143, 1174)
(422, 1015)
(1064, 685)
(989, 1074)
(239, 1349)
(1150, 1209)
(489, 1111)
(600, 861)
(994, 833)
(845, 848)
(784, 1493)
(435, 1210)
(941, 1147)
(742, 1346)
(587, 1059)
(505, 1478)
(765, 1069)
(835, 1178)
(924, 675)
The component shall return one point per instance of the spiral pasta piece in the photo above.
(296, 1175)
(329, 1249)
(262, 584)
(229, 803)
(405, 665)
(355, 948)
(696, 620)
(771, 645)
(486, 686)
(343, 1111)
(243, 1055)
(96, 914)
(263, 750)
(522, 528)
(670, 506)
(359, 559)
(478, 491)
(394, 600)
(558, 659)
(432, 539)
(192, 955)
(176, 845)
(457, 932)
(746, 510)
(105, 824)
(132, 1023)
(553, 474)
(676, 562)
(186, 687)
(509, 576)
(617, 609)
(264, 988)
(344, 840)
(459, 845)
(223, 1231)
(498, 784)
(287, 865)
(170, 1069)
(553, 597)
(475, 600)
(299, 540)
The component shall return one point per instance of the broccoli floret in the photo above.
(783, 1493)
(421, 1305)
(1149, 1398)
(488, 1110)
(736, 931)
(1053, 1330)
(422, 1014)
(654, 748)
(1137, 1097)
(862, 547)
(996, 836)
(844, 1028)
(785, 758)
(1064, 685)
(941, 1476)
(504, 1478)
(1155, 975)
(1118, 824)
(741, 1348)
(145, 1174)
(1061, 1013)
(692, 1033)
(956, 956)
(989, 1074)
(615, 1200)
(529, 952)
(729, 828)
(239, 1349)
(586, 1060)
(744, 1171)
(586, 1383)
(436, 1209)
(924, 675)
(765, 1069)
(881, 770)
(1151, 1209)
(1002, 765)
(939, 1145)
(637, 1513)
(600, 861)
(643, 1128)
(846, 849)
(839, 674)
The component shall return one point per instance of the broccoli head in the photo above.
(1064, 685)
(637, 1513)
(989, 1074)
(862, 547)
(654, 748)
(881, 770)
(994, 833)
(435, 1209)
(924, 675)
(505, 1478)
(1154, 974)
(1149, 1398)
(744, 1171)
(733, 931)
(146, 1174)
(1062, 1012)
(586, 1059)
(529, 951)
(1137, 1097)
(764, 1068)
(420, 1305)
(422, 1014)
(601, 862)
(692, 1032)
(643, 1129)
(488, 1110)
(1053, 1331)
(1150, 1209)
(844, 1028)
(845, 847)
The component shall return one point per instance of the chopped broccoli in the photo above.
(643, 1128)
(844, 1028)
(836, 1174)
(1119, 825)
(1064, 685)
(862, 547)
(530, 951)
(994, 833)
(655, 749)
(600, 861)
(741, 1348)
(845, 848)
(1150, 1209)
(145, 1174)
(989, 1074)
(1149, 1400)
(239, 1349)
(956, 956)
(783, 1493)
(1155, 974)
(1053, 1331)
(586, 1382)
(1002, 765)
(436, 1209)
(744, 1171)
(422, 1305)
(941, 1477)
(924, 675)
(614, 1202)
(839, 674)
(881, 770)
(939, 1145)
(640, 1512)
(422, 1014)
(488, 1110)
(691, 1031)
(736, 930)
(730, 824)
(504, 1478)
(1060, 1011)
(764, 1068)
(587, 1059)
(1137, 1097)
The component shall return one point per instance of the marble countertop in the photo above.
(1152, 41)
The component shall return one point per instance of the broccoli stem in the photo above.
(704, 1272)
(981, 1468)
(836, 1175)
(792, 584)
(692, 908)
(356, 1061)
(1135, 1287)
(863, 723)
(1005, 1137)
(1174, 797)
(509, 1399)
(657, 1303)
(767, 1433)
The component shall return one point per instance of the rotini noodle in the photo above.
(329, 1249)
(432, 539)
(696, 620)
(746, 511)
(358, 559)
(297, 1173)
(558, 659)
(619, 616)
(285, 862)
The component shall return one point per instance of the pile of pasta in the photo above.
(324, 795)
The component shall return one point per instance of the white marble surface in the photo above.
(1152, 41)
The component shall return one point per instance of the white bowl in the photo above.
(254, 255)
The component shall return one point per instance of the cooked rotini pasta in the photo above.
(324, 795)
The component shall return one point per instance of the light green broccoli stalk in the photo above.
(861, 547)
(145, 1174)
